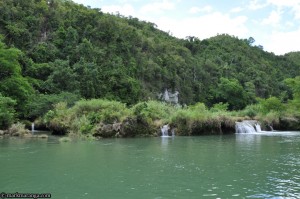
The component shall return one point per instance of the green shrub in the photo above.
(84, 116)
(272, 118)
(81, 125)
(98, 110)
(251, 110)
(271, 104)
(65, 139)
(153, 110)
(58, 120)
(18, 129)
(7, 111)
(220, 107)
(40, 104)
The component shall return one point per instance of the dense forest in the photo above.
(55, 51)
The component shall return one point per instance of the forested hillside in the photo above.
(57, 50)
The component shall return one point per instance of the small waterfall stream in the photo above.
(257, 127)
(247, 126)
(32, 128)
(165, 130)
(271, 127)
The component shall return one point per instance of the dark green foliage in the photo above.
(271, 104)
(62, 78)
(152, 110)
(7, 111)
(59, 46)
(12, 83)
(40, 104)
(294, 104)
(232, 92)
(252, 110)
(219, 107)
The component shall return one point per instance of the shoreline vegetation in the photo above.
(99, 118)
(105, 119)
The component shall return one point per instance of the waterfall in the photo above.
(173, 132)
(247, 126)
(257, 127)
(165, 130)
(32, 127)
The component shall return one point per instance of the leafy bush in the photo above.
(58, 120)
(18, 129)
(271, 104)
(99, 110)
(153, 110)
(39, 104)
(84, 116)
(252, 110)
(220, 107)
(7, 111)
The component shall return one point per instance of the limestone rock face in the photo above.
(108, 130)
(169, 97)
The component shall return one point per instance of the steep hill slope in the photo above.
(71, 48)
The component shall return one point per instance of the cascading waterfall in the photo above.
(247, 126)
(165, 130)
(32, 127)
(257, 127)
(173, 132)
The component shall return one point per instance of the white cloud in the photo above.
(205, 26)
(92, 3)
(285, 3)
(157, 7)
(195, 10)
(236, 10)
(282, 42)
(125, 9)
(289, 24)
(256, 5)
(293, 5)
(296, 10)
(273, 19)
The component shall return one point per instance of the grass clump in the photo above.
(199, 120)
(99, 110)
(153, 111)
(85, 116)
(18, 129)
(65, 139)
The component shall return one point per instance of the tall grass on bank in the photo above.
(104, 118)
(199, 120)
(84, 116)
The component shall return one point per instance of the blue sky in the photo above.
(274, 24)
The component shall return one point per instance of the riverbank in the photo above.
(106, 119)
(99, 118)
(19, 130)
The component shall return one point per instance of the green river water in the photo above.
(263, 165)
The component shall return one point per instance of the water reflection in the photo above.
(248, 139)
(165, 141)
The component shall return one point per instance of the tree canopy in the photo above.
(50, 47)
